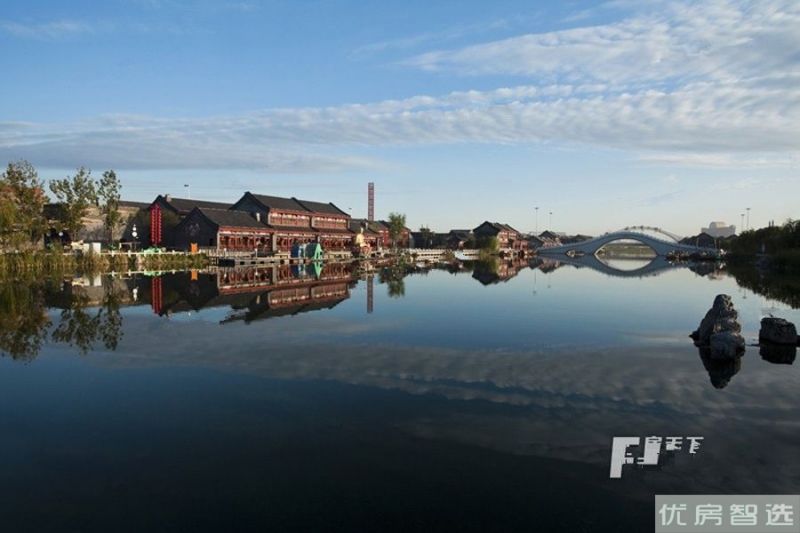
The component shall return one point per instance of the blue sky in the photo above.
(607, 114)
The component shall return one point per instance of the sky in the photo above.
(601, 114)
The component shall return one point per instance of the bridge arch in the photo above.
(664, 245)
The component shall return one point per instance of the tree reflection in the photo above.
(25, 324)
(81, 326)
(393, 276)
(775, 285)
(23, 320)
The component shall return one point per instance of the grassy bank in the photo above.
(49, 264)
(174, 261)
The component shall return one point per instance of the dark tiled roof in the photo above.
(277, 202)
(385, 223)
(509, 228)
(128, 203)
(376, 226)
(319, 207)
(498, 226)
(187, 204)
(355, 225)
(236, 219)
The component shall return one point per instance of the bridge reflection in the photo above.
(656, 265)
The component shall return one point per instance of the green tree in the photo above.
(108, 195)
(397, 225)
(22, 202)
(427, 237)
(76, 195)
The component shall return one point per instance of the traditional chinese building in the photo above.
(167, 212)
(222, 229)
(507, 237)
(296, 221)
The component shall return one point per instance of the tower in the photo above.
(371, 201)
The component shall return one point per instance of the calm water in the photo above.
(480, 400)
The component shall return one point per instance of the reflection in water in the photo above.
(778, 354)
(23, 319)
(780, 286)
(496, 270)
(720, 371)
(467, 374)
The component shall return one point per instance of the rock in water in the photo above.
(726, 345)
(719, 334)
(777, 331)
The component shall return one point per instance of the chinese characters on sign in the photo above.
(652, 450)
(726, 513)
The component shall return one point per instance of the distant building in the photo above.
(458, 238)
(507, 237)
(703, 240)
(719, 229)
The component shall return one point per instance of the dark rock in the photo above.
(721, 317)
(720, 331)
(777, 331)
(779, 354)
(720, 371)
(726, 344)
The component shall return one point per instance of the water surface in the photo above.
(400, 399)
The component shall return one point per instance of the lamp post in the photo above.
(134, 234)
(742, 225)
(188, 193)
(748, 218)
(536, 227)
(550, 224)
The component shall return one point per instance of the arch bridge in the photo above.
(663, 245)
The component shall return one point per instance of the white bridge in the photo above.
(666, 244)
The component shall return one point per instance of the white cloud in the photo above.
(57, 29)
(719, 40)
(699, 124)
(712, 84)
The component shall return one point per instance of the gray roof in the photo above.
(277, 202)
(187, 204)
(129, 203)
(226, 217)
(319, 207)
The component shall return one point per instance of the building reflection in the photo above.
(496, 270)
(254, 293)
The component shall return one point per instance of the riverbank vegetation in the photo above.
(51, 263)
(779, 246)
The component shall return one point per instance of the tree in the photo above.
(427, 237)
(76, 194)
(108, 195)
(397, 225)
(22, 202)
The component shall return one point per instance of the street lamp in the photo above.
(551, 221)
(536, 230)
(748, 218)
(134, 234)
(742, 225)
